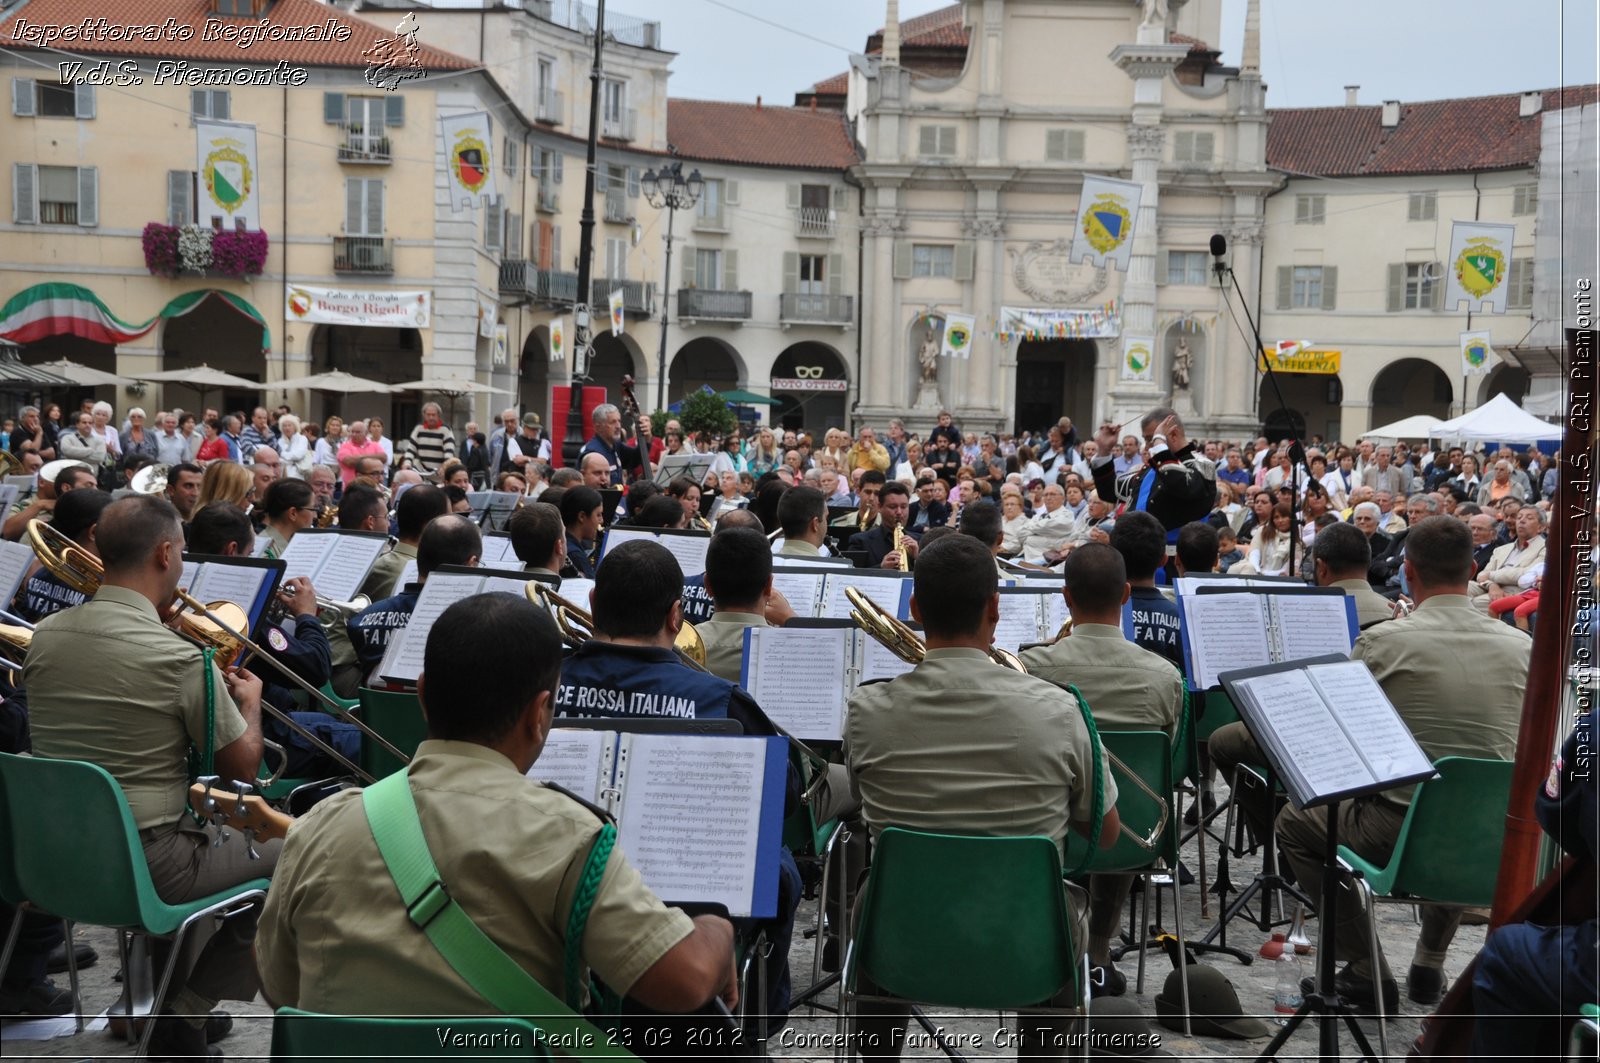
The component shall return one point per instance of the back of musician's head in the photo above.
(738, 566)
(640, 494)
(510, 651)
(729, 519)
(535, 530)
(982, 521)
(954, 582)
(765, 505)
(1198, 546)
(132, 529)
(577, 501)
(662, 511)
(419, 505)
(798, 507)
(359, 502)
(1344, 549)
(566, 478)
(215, 525)
(448, 540)
(78, 511)
(1439, 550)
(634, 590)
(1142, 542)
(1097, 577)
(285, 495)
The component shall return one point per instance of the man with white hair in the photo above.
(1393, 520)
(1382, 476)
(1509, 563)
(607, 442)
(172, 448)
(355, 447)
(1052, 531)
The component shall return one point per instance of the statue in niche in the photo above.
(1155, 13)
(928, 354)
(1182, 361)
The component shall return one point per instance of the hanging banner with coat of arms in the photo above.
(225, 159)
(558, 341)
(618, 321)
(1477, 353)
(469, 159)
(1138, 358)
(1106, 212)
(1479, 265)
(958, 332)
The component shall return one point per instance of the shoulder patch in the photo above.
(277, 639)
(599, 813)
(1552, 784)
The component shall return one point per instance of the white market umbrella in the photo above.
(202, 378)
(337, 381)
(1499, 420)
(84, 375)
(447, 385)
(1419, 426)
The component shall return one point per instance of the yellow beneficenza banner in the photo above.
(1303, 361)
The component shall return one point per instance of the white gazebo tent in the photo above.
(1418, 426)
(1499, 420)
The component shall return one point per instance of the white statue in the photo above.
(1182, 360)
(928, 355)
(1155, 13)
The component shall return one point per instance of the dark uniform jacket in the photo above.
(1185, 489)
(371, 629)
(1155, 624)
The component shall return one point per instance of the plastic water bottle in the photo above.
(1286, 997)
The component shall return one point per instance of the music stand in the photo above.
(690, 466)
(1286, 726)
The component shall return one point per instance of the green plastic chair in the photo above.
(963, 922)
(307, 1037)
(1584, 1041)
(1148, 756)
(96, 873)
(1448, 851)
(349, 704)
(398, 718)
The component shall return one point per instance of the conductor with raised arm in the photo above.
(1175, 485)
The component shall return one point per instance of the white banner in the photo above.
(1029, 323)
(469, 159)
(488, 312)
(502, 345)
(617, 321)
(1479, 266)
(558, 341)
(959, 331)
(1106, 212)
(229, 178)
(344, 306)
(1138, 358)
(1477, 353)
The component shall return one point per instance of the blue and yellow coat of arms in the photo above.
(1476, 352)
(1481, 267)
(1107, 223)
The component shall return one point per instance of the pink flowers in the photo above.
(232, 253)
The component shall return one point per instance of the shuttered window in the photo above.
(363, 206)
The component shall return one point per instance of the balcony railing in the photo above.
(624, 29)
(816, 309)
(619, 127)
(814, 222)
(522, 279)
(363, 254)
(709, 303)
(616, 209)
(361, 146)
(710, 221)
(551, 107)
(638, 297)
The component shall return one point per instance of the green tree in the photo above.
(703, 411)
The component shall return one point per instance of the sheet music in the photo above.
(576, 590)
(347, 565)
(239, 584)
(497, 548)
(571, 759)
(15, 559)
(690, 550)
(8, 497)
(836, 606)
(1310, 625)
(1019, 621)
(1225, 631)
(829, 564)
(691, 816)
(1055, 614)
(1312, 743)
(798, 677)
(185, 578)
(408, 576)
(802, 590)
(1364, 711)
(880, 662)
(304, 555)
(403, 659)
(1189, 585)
(504, 585)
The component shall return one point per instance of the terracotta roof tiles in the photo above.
(792, 137)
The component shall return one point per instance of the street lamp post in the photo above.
(670, 189)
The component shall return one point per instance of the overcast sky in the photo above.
(1394, 49)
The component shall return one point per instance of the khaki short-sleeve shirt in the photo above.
(335, 937)
(1128, 688)
(110, 684)
(724, 638)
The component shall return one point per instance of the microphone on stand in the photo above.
(1219, 250)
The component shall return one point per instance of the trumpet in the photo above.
(217, 625)
(278, 607)
(903, 642)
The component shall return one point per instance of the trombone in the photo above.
(903, 642)
(218, 626)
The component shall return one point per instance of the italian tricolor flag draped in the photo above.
(70, 310)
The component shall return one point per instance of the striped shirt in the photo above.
(431, 447)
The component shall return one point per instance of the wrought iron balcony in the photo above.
(795, 309)
(711, 304)
(361, 146)
(638, 297)
(363, 254)
(521, 280)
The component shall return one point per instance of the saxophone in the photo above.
(900, 548)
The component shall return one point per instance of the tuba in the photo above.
(150, 480)
(577, 625)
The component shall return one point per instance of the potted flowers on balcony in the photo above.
(238, 253)
(161, 249)
(170, 250)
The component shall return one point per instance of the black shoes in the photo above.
(1425, 985)
(1206, 804)
(175, 1040)
(57, 961)
(1107, 981)
(45, 998)
(1357, 992)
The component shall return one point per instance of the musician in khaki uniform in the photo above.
(335, 936)
(136, 717)
(420, 504)
(962, 745)
(1128, 688)
(1457, 679)
(803, 516)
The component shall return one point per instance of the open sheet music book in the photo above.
(247, 582)
(1192, 582)
(689, 547)
(802, 675)
(700, 816)
(497, 553)
(1328, 729)
(1029, 614)
(15, 560)
(336, 561)
(447, 585)
(492, 509)
(817, 591)
(1258, 626)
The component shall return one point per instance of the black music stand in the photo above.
(1263, 715)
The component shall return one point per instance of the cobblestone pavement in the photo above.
(809, 1034)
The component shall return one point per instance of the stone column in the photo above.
(982, 402)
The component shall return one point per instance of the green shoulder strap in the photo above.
(392, 814)
(1097, 806)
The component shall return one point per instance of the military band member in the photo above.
(1156, 624)
(447, 540)
(803, 516)
(894, 502)
(539, 540)
(288, 507)
(77, 515)
(420, 504)
(866, 514)
(583, 513)
(72, 476)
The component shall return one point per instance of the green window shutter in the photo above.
(730, 192)
(88, 196)
(963, 262)
(1397, 287)
(1438, 287)
(633, 182)
(1330, 287)
(687, 278)
(791, 272)
(1285, 287)
(559, 160)
(22, 97)
(333, 107)
(24, 193)
(394, 109)
(902, 259)
(792, 196)
(1055, 145)
(835, 277)
(180, 192)
(730, 271)
(494, 221)
(83, 101)
(354, 201)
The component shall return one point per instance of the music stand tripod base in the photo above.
(1264, 883)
